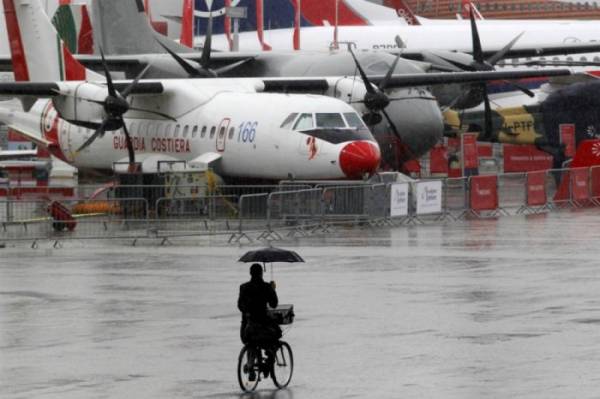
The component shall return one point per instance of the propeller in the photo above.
(203, 71)
(376, 100)
(115, 106)
(480, 63)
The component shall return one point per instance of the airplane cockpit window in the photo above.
(354, 120)
(287, 123)
(330, 120)
(304, 122)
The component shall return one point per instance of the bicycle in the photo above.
(263, 360)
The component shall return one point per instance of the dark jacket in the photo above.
(253, 299)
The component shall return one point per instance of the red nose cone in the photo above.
(358, 158)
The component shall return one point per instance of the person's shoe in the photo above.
(252, 375)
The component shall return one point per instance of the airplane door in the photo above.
(222, 134)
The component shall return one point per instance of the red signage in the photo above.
(438, 159)
(567, 137)
(525, 158)
(536, 188)
(484, 193)
(580, 188)
(485, 150)
(469, 151)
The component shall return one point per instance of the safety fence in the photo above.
(288, 209)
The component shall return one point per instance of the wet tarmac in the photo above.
(500, 308)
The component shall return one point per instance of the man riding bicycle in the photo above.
(257, 327)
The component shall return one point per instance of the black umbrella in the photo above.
(271, 254)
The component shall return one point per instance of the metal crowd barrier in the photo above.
(296, 207)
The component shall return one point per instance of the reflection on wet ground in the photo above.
(484, 308)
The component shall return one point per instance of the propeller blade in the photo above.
(111, 88)
(187, 67)
(394, 130)
(362, 73)
(487, 115)
(408, 153)
(206, 49)
(94, 136)
(129, 88)
(493, 60)
(521, 88)
(230, 67)
(129, 143)
(149, 111)
(477, 51)
(383, 84)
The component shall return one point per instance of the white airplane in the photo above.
(232, 124)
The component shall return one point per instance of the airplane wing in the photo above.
(411, 80)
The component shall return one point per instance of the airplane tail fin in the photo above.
(34, 59)
(159, 26)
(404, 11)
(466, 6)
(122, 27)
(73, 23)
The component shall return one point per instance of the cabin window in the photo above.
(212, 132)
(287, 123)
(186, 130)
(167, 131)
(330, 120)
(132, 127)
(354, 120)
(203, 133)
(304, 122)
(195, 132)
(222, 132)
(177, 129)
(231, 132)
(584, 59)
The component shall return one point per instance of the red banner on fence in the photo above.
(484, 193)
(469, 151)
(567, 137)
(438, 159)
(580, 187)
(485, 150)
(536, 188)
(525, 158)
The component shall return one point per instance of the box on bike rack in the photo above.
(282, 314)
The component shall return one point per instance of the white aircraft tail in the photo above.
(38, 53)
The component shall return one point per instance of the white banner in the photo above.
(399, 200)
(428, 197)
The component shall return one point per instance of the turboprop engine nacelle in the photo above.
(82, 103)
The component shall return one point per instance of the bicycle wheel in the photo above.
(283, 365)
(243, 371)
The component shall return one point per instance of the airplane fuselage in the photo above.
(225, 126)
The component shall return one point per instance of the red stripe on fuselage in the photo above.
(16, 44)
